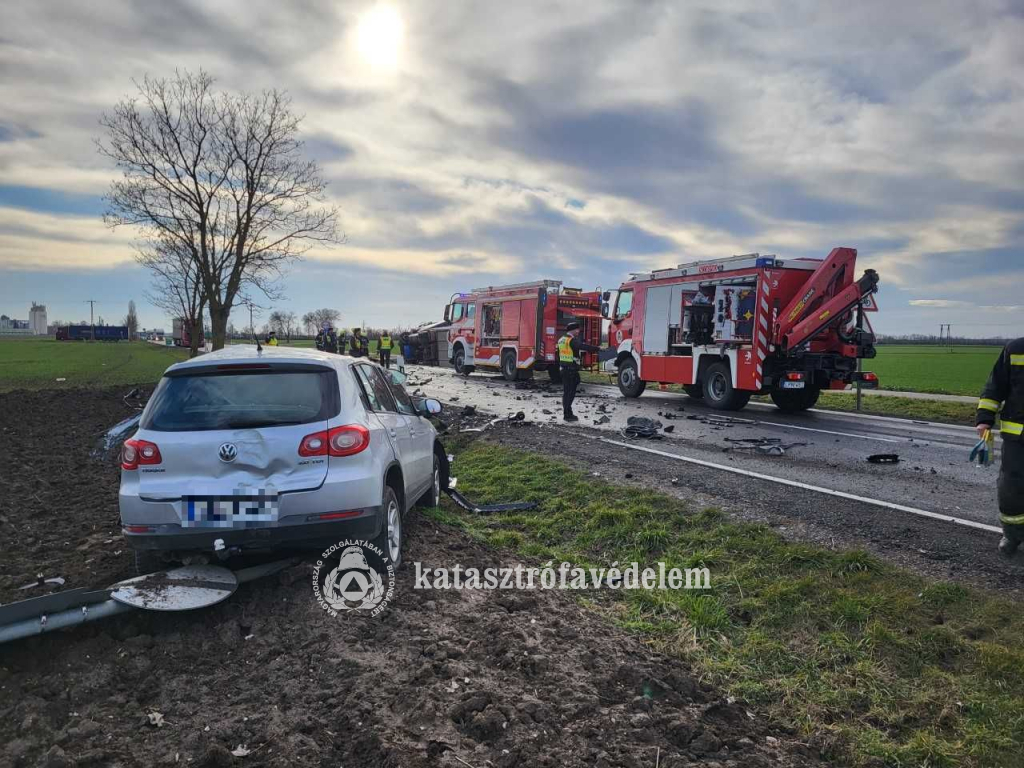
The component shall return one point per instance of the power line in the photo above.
(92, 322)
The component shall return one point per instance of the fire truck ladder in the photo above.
(829, 293)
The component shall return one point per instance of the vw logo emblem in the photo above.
(228, 452)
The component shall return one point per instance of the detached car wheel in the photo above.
(389, 540)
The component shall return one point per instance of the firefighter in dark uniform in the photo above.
(1005, 389)
(327, 339)
(569, 348)
(360, 346)
(384, 347)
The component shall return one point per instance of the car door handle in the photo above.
(392, 431)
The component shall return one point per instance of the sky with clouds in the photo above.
(471, 142)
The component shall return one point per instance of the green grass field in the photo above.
(39, 363)
(890, 668)
(920, 368)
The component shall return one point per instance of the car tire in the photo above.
(389, 540)
(795, 400)
(719, 392)
(630, 383)
(555, 374)
(432, 498)
(508, 366)
(696, 391)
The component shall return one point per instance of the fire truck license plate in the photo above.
(792, 385)
(227, 511)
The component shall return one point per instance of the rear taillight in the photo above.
(340, 441)
(869, 376)
(139, 452)
(795, 376)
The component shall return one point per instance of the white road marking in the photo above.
(809, 487)
(831, 432)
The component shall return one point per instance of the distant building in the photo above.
(11, 327)
(37, 319)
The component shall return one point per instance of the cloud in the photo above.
(576, 139)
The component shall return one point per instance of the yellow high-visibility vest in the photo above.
(385, 343)
(272, 342)
(565, 353)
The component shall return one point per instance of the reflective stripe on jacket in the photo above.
(385, 343)
(1004, 392)
(566, 356)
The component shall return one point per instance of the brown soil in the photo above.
(441, 678)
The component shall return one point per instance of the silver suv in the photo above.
(243, 450)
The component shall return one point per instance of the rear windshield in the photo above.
(240, 400)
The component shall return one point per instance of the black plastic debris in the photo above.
(488, 509)
(602, 420)
(670, 428)
(642, 428)
(468, 410)
(884, 458)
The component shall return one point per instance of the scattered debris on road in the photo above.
(770, 446)
(640, 427)
(884, 458)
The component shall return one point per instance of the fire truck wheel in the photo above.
(793, 400)
(459, 362)
(719, 392)
(630, 383)
(555, 374)
(508, 366)
(696, 391)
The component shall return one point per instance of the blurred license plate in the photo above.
(228, 511)
(792, 385)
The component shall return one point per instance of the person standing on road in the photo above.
(569, 348)
(1005, 389)
(384, 347)
(360, 348)
(271, 339)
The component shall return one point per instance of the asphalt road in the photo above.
(828, 451)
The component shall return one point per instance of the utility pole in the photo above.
(92, 322)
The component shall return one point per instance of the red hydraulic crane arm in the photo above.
(828, 293)
(831, 310)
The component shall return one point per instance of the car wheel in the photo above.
(630, 383)
(389, 540)
(508, 366)
(432, 498)
(719, 392)
(696, 391)
(794, 400)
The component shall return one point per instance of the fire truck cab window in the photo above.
(457, 312)
(623, 304)
(471, 311)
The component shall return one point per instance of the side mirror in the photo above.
(429, 407)
(606, 296)
(448, 313)
(604, 309)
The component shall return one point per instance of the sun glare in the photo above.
(379, 36)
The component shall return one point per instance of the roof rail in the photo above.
(517, 286)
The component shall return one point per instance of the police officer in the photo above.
(569, 348)
(272, 339)
(327, 339)
(1005, 388)
(320, 339)
(384, 347)
(360, 348)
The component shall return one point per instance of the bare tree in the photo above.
(177, 286)
(321, 316)
(309, 323)
(131, 320)
(222, 175)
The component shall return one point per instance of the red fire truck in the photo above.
(730, 328)
(515, 328)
